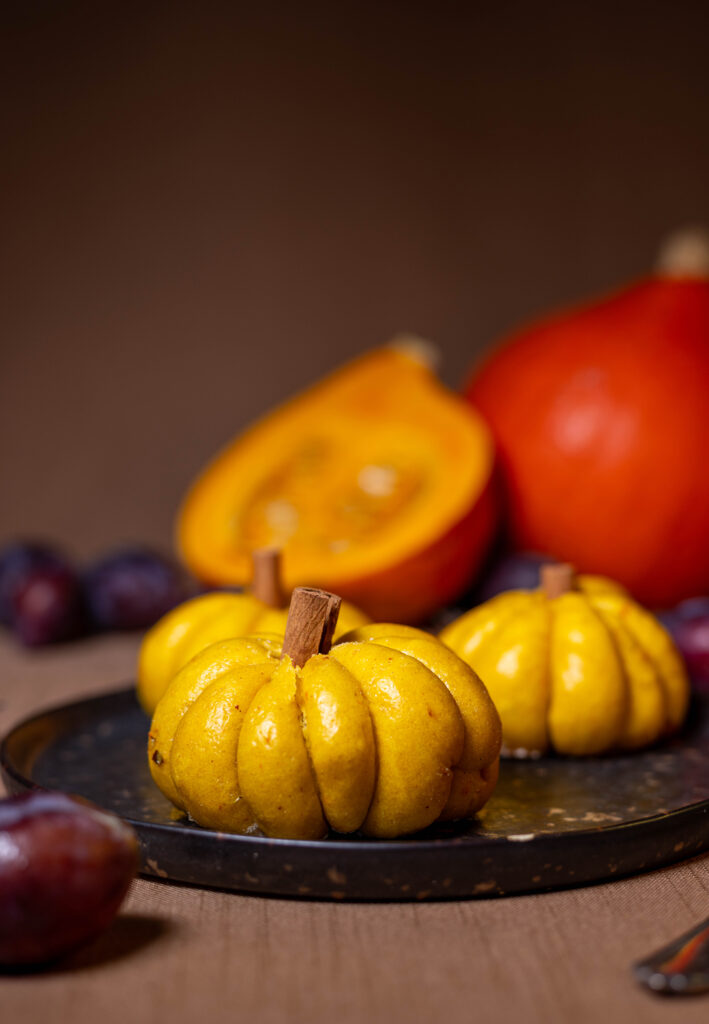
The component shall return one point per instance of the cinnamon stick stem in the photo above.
(557, 579)
(312, 617)
(266, 582)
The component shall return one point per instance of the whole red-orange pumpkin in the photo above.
(601, 415)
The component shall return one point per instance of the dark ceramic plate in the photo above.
(551, 823)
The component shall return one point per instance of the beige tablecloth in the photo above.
(178, 954)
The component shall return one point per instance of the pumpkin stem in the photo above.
(685, 254)
(557, 579)
(266, 581)
(419, 350)
(312, 617)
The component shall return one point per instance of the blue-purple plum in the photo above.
(519, 571)
(689, 625)
(132, 588)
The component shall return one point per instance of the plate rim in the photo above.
(599, 854)
(363, 843)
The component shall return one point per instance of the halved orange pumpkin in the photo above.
(375, 483)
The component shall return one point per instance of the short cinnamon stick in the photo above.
(557, 579)
(685, 254)
(312, 617)
(266, 582)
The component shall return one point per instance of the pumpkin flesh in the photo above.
(366, 482)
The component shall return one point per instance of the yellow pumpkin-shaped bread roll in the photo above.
(576, 666)
(385, 732)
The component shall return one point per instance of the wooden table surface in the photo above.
(182, 954)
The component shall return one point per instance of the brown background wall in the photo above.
(204, 209)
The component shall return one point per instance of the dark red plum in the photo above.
(65, 868)
(47, 606)
(132, 588)
(17, 561)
